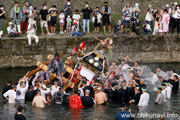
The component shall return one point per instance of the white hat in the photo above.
(167, 5)
(175, 3)
(150, 5)
(137, 5)
(43, 86)
(10, 23)
(88, 91)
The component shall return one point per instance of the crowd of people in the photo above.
(126, 85)
(69, 19)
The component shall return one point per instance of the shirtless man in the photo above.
(100, 97)
(39, 100)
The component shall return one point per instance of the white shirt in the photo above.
(168, 92)
(11, 94)
(21, 92)
(155, 79)
(144, 99)
(148, 26)
(76, 16)
(176, 14)
(32, 31)
(9, 30)
(44, 92)
(164, 94)
(149, 16)
(81, 92)
(61, 18)
(54, 89)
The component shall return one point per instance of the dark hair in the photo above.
(105, 2)
(31, 87)
(20, 108)
(75, 90)
(35, 8)
(159, 67)
(9, 81)
(144, 86)
(165, 10)
(137, 62)
(173, 70)
(38, 91)
(56, 55)
(16, 2)
(84, 82)
(176, 77)
(62, 11)
(97, 7)
(68, 0)
(113, 84)
(160, 89)
(87, 3)
(54, 6)
(44, 4)
(157, 19)
(76, 10)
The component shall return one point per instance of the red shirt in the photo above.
(75, 102)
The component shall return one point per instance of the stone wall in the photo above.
(15, 52)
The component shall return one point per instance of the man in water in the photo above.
(75, 100)
(123, 93)
(55, 88)
(39, 100)
(160, 72)
(144, 99)
(124, 115)
(160, 97)
(131, 92)
(175, 84)
(10, 95)
(163, 86)
(168, 90)
(87, 101)
(7, 87)
(19, 115)
(89, 87)
(100, 97)
(155, 78)
(30, 94)
(56, 66)
(136, 97)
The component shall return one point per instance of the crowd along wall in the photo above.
(14, 52)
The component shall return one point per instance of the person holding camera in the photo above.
(147, 28)
(31, 33)
(118, 27)
(96, 19)
(2, 17)
(68, 8)
(33, 15)
(25, 15)
(175, 20)
(12, 31)
(86, 16)
(135, 20)
(127, 11)
(106, 16)
(158, 13)
(53, 19)
(16, 16)
(172, 6)
(149, 15)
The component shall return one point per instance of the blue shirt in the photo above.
(124, 115)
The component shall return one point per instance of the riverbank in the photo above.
(14, 52)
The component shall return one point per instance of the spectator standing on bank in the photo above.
(149, 15)
(53, 20)
(158, 14)
(127, 11)
(2, 17)
(44, 18)
(68, 25)
(68, 8)
(176, 17)
(172, 6)
(135, 20)
(86, 17)
(16, 16)
(165, 22)
(76, 17)
(33, 14)
(25, 17)
(106, 13)
(61, 21)
(97, 20)
(31, 33)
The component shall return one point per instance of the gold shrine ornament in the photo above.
(91, 61)
(96, 58)
(96, 64)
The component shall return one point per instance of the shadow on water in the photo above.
(108, 112)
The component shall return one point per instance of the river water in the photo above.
(170, 109)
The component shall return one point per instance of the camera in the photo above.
(34, 26)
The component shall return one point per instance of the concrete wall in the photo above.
(15, 52)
